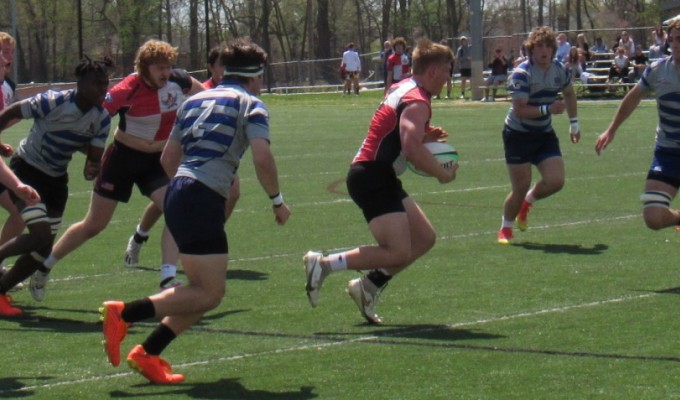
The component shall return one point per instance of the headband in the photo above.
(249, 71)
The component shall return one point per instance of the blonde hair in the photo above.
(4, 36)
(544, 35)
(427, 53)
(153, 52)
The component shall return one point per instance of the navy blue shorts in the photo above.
(375, 188)
(124, 167)
(529, 147)
(194, 213)
(665, 166)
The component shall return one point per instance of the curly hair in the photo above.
(544, 35)
(399, 40)
(427, 53)
(152, 52)
(4, 36)
(675, 24)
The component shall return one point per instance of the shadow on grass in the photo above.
(11, 387)
(575, 249)
(232, 274)
(228, 388)
(32, 320)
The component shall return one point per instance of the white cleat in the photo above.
(315, 275)
(38, 285)
(132, 253)
(365, 295)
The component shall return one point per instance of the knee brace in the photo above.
(656, 199)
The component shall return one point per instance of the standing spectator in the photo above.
(403, 233)
(64, 122)
(662, 80)
(398, 64)
(638, 63)
(352, 64)
(599, 46)
(499, 74)
(583, 45)
(464, 57)
(147, 102)
(445, 42)
(626, 42)
(658, 47)
(386, 52)
(563, 48)
(528, 134)
(202, 167)
(620, 67)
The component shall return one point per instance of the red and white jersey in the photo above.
(399, 65)
(145, 112)
(383, 142)
(7, 93)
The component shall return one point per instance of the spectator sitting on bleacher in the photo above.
(583, 45)
(658, 47)
(620, 67)
(576, 62)
(499, 74)
(639, 63)
(563, 48)
(626, 42)
(599, 46)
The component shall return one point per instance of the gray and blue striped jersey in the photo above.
(663, 78)
(214, 128)
(60, 129)
(528, 81)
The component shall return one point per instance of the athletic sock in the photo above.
(48, 264)
(507, 224)
(378, 277)
(138, 310)
(140, 235)
(158, 340)
(337, 261)
(168, 271)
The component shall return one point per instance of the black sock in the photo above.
(139, 239)
(138, 310)
(158, 340)
(378, 278)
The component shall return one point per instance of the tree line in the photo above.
(52, 34)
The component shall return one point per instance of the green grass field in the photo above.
(582, 306)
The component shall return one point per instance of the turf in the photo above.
(582, 305)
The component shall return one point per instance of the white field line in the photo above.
(327, 344)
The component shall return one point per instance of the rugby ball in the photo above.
(445, 154)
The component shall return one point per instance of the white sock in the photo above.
(529, 198)
(168, 271)
(142, 233)
(507, 224)
(50, 261)
(337, 261)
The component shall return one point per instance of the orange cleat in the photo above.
(153, 368)
(505, 235)
(114, 329)
(521, 220)
(6, 309)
